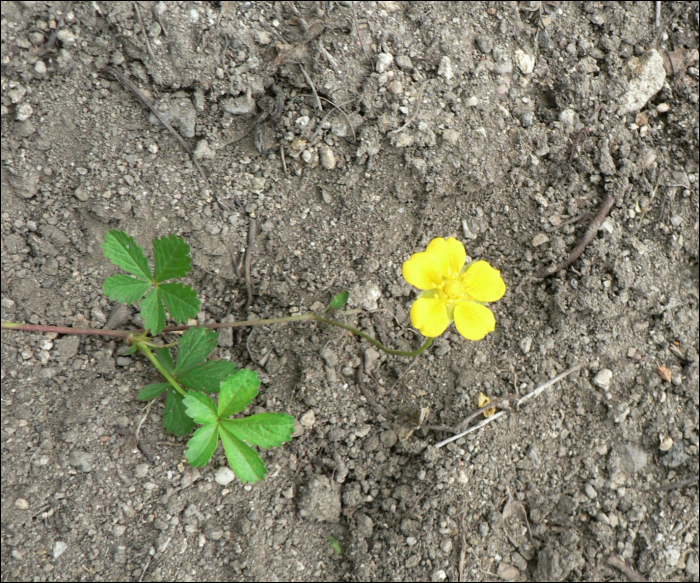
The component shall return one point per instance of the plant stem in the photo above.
(152, 357)
(262, 322)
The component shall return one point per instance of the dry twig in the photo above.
(313, 87)
(415, 113)
(585, 240)
(144, 31)
(520, 402)
(248, 259)
(632, 575)
(119, 76)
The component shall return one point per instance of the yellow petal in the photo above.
(423, 270)
(429, 315)
(473, 320)
(451, 254)
(483, 283)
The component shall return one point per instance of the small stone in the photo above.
(525, 344)
(451, 137)
(243, 105)
(371, 358)
(647, 76)
(471, 101)
(328, 159)
(224, 476)
(22, 503)
(59, 548)
(40, 69)
(666, 443)
(663, 107)
(603, 378)
(24, 112)
(384, 61)
(81, 460)
(203, 151)
(66, 36)
(525, 62)
(388, 438)
(365, 297)
(262, 37)
(527, 119)
(539, 239)
(141, 470)
(395, 87)
(445, 68)
(590, 491)
(507, 572)
(404, 62)
(308, 419)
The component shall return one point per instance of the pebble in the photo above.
(24, 112)
(203, 151)
(395, 87)
(371, 359)
(40, 69)
(666, 443)
(647, 76)
(243, 105)
(141, 470)
(526, 344)
(365, 297)
(66, 36)
(539, 239)
(59, 548)
(404, 62)
(527, 119)
(525, 62)
(471, 101)
(445, 68)
(590, 491)
(22, 503)
(308, 419)
(81, 460)
(603, 378)
(384, 61)
(224, 476)
(389, 438)
(663, 107)
(328, 159)
(508, 572)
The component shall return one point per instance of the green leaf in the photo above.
(207, 377)
(152, 391)
(202, 445)
(165, 359)
(153, 313)
(182, 300)
(125, 289)
(338, 302)
(175, 419)
(123, 250)
(172, 257)
(336, 545)
(237, 392)
(244, 460)
(265, 429)
(195, 345)
(200, 407)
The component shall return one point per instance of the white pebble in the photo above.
(603, 378)
(384, 61)
(59, 548)
(224, 476)
(539, 239)
(445, 68)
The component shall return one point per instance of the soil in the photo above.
(504, 124)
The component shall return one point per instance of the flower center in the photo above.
(454, 289)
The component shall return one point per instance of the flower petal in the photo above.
(423, 270)
(473, 320)
(429, 315)
(484, 283)
(451, 254)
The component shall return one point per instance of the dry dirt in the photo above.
(505, 124)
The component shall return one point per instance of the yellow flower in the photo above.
(451, 291)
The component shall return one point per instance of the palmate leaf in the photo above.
(208, 376)
(175, 419)
(243, 459)
(172, 260)
(123, 250)
(237, 392)
(172, 257)
(195, 345)
(265, 430)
